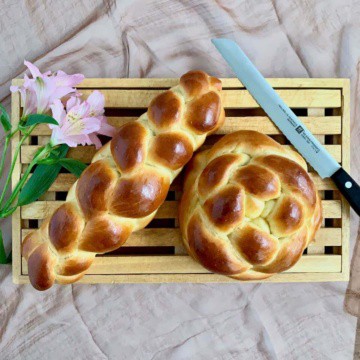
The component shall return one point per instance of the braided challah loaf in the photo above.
(249, 207)
(128, 180)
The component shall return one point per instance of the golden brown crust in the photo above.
(94, 187)
(173, 150)
(65, 226)
(74, 265)
(293, 176)
(258, 181)
(139, 196)
(196, 82)
(128, 146)
(103, 234)
(205, 248)
(126, 183)
(216, 173)
(256, 246)
(287, 216)
(203, 113)
(41, 268)
(225, 209)
(249, 207)
(30, 243)
(165, 110)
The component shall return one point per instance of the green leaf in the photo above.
(4, 119)
(74, 166)
(34, 119)
(3, 259)
(60, 151)
(48, 161)
(42, 178)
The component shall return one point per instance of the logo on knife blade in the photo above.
(299, 129)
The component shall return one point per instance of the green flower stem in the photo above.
(6, 211)
(3, 156)
(5, 214)
(13, 163)
(17, 189)
(6, 145)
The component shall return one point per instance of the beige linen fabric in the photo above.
(181, 321)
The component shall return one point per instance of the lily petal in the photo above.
(42, 90)
(96, 101)
(58, 112)
(35, 72)
(72, 101)
(79, 111)
(95, 140)
(63, 79)
(105, 128)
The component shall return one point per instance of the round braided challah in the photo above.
(249, 207)
(128, 180)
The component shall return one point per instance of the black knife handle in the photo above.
(348, 187)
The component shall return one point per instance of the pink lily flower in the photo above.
(40, 91)
(96, 101)
(81, 122)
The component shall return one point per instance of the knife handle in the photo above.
(348, 187)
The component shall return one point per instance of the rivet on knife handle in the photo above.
(348, 187)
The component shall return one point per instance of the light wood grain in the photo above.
(232, 99)
(164, 83)
(317, 112)
(172, 237)
(317, 125)
(185, 265)
(201, 278)
(86, 153)
(345, 140)
(16, 217)
(64, 181)
(168, 210)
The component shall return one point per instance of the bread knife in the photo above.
(285, 119)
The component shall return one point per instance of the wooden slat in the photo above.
(86, 153)
(327, 125)
(147, 237)
(168, 210)
(82, 153)
(226, 82)
(331, 209)
(185, 264)
(42, 209)
(16, 217)
(200, 278)
(322, 184)
(328, 237)
(319, 112)
(345, 221)
(172, 237)
(232, 99)
(64, 181)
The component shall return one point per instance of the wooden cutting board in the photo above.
(156, 254)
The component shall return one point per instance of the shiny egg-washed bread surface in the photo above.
(249, 207)
(127, 181)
